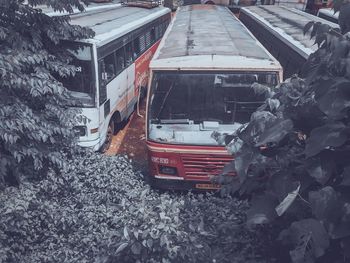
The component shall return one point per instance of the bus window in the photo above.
(142, 43)
(158, 31)
(103, 82)
(109, 68)
(139, 45)
(153, 35)
(225, 98)
(120, 63)
(81, 85)
(128, 54)
(148, 39)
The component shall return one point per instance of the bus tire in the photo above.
(109, 137)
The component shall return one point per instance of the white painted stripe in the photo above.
(169, 177)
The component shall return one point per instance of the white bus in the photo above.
(280, 30)
(328, 14)
(201, 82)
(113, 67)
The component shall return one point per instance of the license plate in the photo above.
(208, 186)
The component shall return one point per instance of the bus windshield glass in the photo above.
(208, 97)
(82, 84)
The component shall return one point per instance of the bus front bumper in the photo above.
(94, 144)
(172, 183)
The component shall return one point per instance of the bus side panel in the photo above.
(142, 71)
(291, 61)
(116, 101)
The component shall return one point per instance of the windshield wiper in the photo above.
(164, 100)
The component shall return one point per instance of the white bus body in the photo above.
(113, 66)
(280, 30)
(328, 14)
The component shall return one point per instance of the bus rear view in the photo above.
(201, 82)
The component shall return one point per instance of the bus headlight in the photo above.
(167, 170)
(80, 130)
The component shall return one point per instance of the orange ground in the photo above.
(130, 140)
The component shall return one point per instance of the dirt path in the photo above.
(130, 140)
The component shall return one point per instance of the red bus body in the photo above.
(192, 70)
(194, 165)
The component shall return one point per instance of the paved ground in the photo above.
(130, 140)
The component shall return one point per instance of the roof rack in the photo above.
(142, 3)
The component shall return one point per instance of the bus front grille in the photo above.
(205, 164)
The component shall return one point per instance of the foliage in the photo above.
(35, 122)
(293, 155)
(99, 210)
(343, 7)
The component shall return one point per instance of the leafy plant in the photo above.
(293, 155)
(35, 121)
(343, 7)
(99, 210)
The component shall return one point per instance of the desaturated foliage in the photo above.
(99, 210)
(293, 155)
(343, 7)
(35, 122)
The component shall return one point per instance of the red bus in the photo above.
(201, 80)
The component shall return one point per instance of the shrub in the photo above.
(35, 122)
(293, 155)
(99, 210)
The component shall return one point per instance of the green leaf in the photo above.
(320, 168)
(121, 247)
(136, 248)
(309, 238)
(329, 135)
(324, 204)
(126, 234)
(286, 203)
(275, 132)
(262, 210)
(335, 102)
(346, 176)
(308, 26)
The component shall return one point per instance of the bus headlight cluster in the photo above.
(80, 130)
(167, 170)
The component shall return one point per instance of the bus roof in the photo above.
(287, 24)
(112, 22)
(329, 12)
(210, 37)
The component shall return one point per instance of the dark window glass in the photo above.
(82, 84)
(225, 98)
(148, 39)
(142, 43)
(137, 47)
(102, 86)
(153, 35)
(119, 59)
(128, 54)
(109, 68)
(158, 32)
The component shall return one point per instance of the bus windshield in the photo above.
(224, 98)
(82, 84)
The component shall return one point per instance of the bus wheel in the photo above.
(109, 137)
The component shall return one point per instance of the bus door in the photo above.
(112, 84)
(130, 78)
